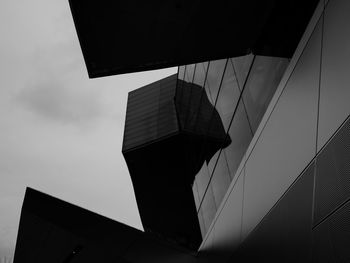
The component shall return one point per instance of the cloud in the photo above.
(55, 101)
(53, 86)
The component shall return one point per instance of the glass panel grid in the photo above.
(224, 84)
(214, 76)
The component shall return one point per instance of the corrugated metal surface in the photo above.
(332, 238)
(333, 174)
(284, 235)
(151, 113)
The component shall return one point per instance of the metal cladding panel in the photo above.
(288, 142)
(331, 238)
(335, 77)
(151, 113)
(298, 202)
(284, 235)
(333, 174)
(127, 36)
(227, 232)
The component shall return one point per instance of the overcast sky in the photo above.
(60, 132)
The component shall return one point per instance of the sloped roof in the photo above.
(52, 230)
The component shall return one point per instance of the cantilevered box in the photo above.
(171, 128)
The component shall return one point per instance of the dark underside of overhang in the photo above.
(128, 36)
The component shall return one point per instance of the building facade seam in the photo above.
(286, 76)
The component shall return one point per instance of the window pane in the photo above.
(241, 66)
(199, 76)
(201, 223)
(215, 71)
(221, 179)
(262, 82)
(212, 162)
(195, 92)
(228, 96)
(241, 136)
(187, 96)
(226, 160)
(202, 180)
(189, 73)
(208, 208)
(181, 72)
(195, 194)
(179, 91)
(203, 111)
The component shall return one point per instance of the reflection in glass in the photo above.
(220, 180)
(189, 73)
(204, 114)
(199, 101)
(226, 160)
(201, 71)
(214, 76)
(258, 77)
(189, 95)
(181, 72)
(241, 67)
(179, 90)
(212, 162)
(208, 207)
(202, 180)
(201, 223)
(241, 136)
(262, 82)
(228, 96)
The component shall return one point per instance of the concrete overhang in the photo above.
(128, 36)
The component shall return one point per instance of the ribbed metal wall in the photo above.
(284, 235)
(331, 239)
(311, 221)
(333, 174)
(151, 113)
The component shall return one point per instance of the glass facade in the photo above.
(240, 89)
(261, 84)
(214, 75)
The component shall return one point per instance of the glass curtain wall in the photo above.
(240, 89)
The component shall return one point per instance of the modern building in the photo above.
(249, 143)
(164, 151)
(52, 230)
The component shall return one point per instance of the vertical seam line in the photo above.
(245, 108)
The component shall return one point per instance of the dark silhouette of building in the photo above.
(256, 120)
(52, 230)
(165, 133)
